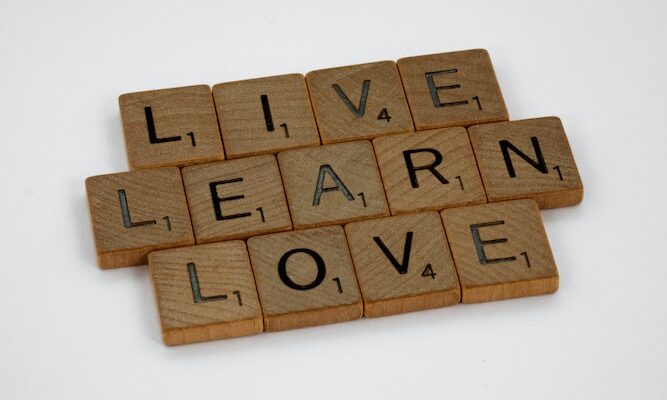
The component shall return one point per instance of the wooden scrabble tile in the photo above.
(332, 184)
(429, 170)
(359, 101)
(528, 158)
(205, 292)
(452, 89)
(170, 127)
(236, 199)
(403, 264)
(501, 251)
(305, 278)
(134, 213)
(265, 115)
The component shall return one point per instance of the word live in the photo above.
(367, 190)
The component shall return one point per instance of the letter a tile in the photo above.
(332, 184)
(359, 101)
(170, 127)
(305, 278)
(501, 251)
(205, 292)
(134, 213)
(403, 264)
(452, 89)
(528, 158)
(235, 199)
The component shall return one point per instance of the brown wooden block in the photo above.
(205, 292)
(403, 264)
(236, 199)
(452, 89)
(170, 127)
(305, 278)
(134, 213)
(528, 158)
(359, 101)
(429, 170)
(501, 251)
(265, 115)
(332, 184)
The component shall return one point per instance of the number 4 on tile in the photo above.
(428, 272)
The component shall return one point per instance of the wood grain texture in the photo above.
(392, 283)
(249, 196)
(243, 120)
(359, 102)
(404, 161)
(553, 183)
(357, 195)
(464, 88)
(185, 127)
(317, 302)
(510, 257)
(157, 215)
(205, 292)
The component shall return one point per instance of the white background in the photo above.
(71, 331)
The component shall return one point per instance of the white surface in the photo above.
(72, 331)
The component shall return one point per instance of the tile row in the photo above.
(197, 124)
(134, 213)
(373, 268)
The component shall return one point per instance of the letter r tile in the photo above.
(429, 170)
(332, 184)
(236, 199)
(359, 101)
(501, 250)
(452, 89)
(305, 278)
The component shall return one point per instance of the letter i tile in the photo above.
(265, 115)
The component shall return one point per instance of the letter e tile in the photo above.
(501, 250)
(236, 199)
(452, 89)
